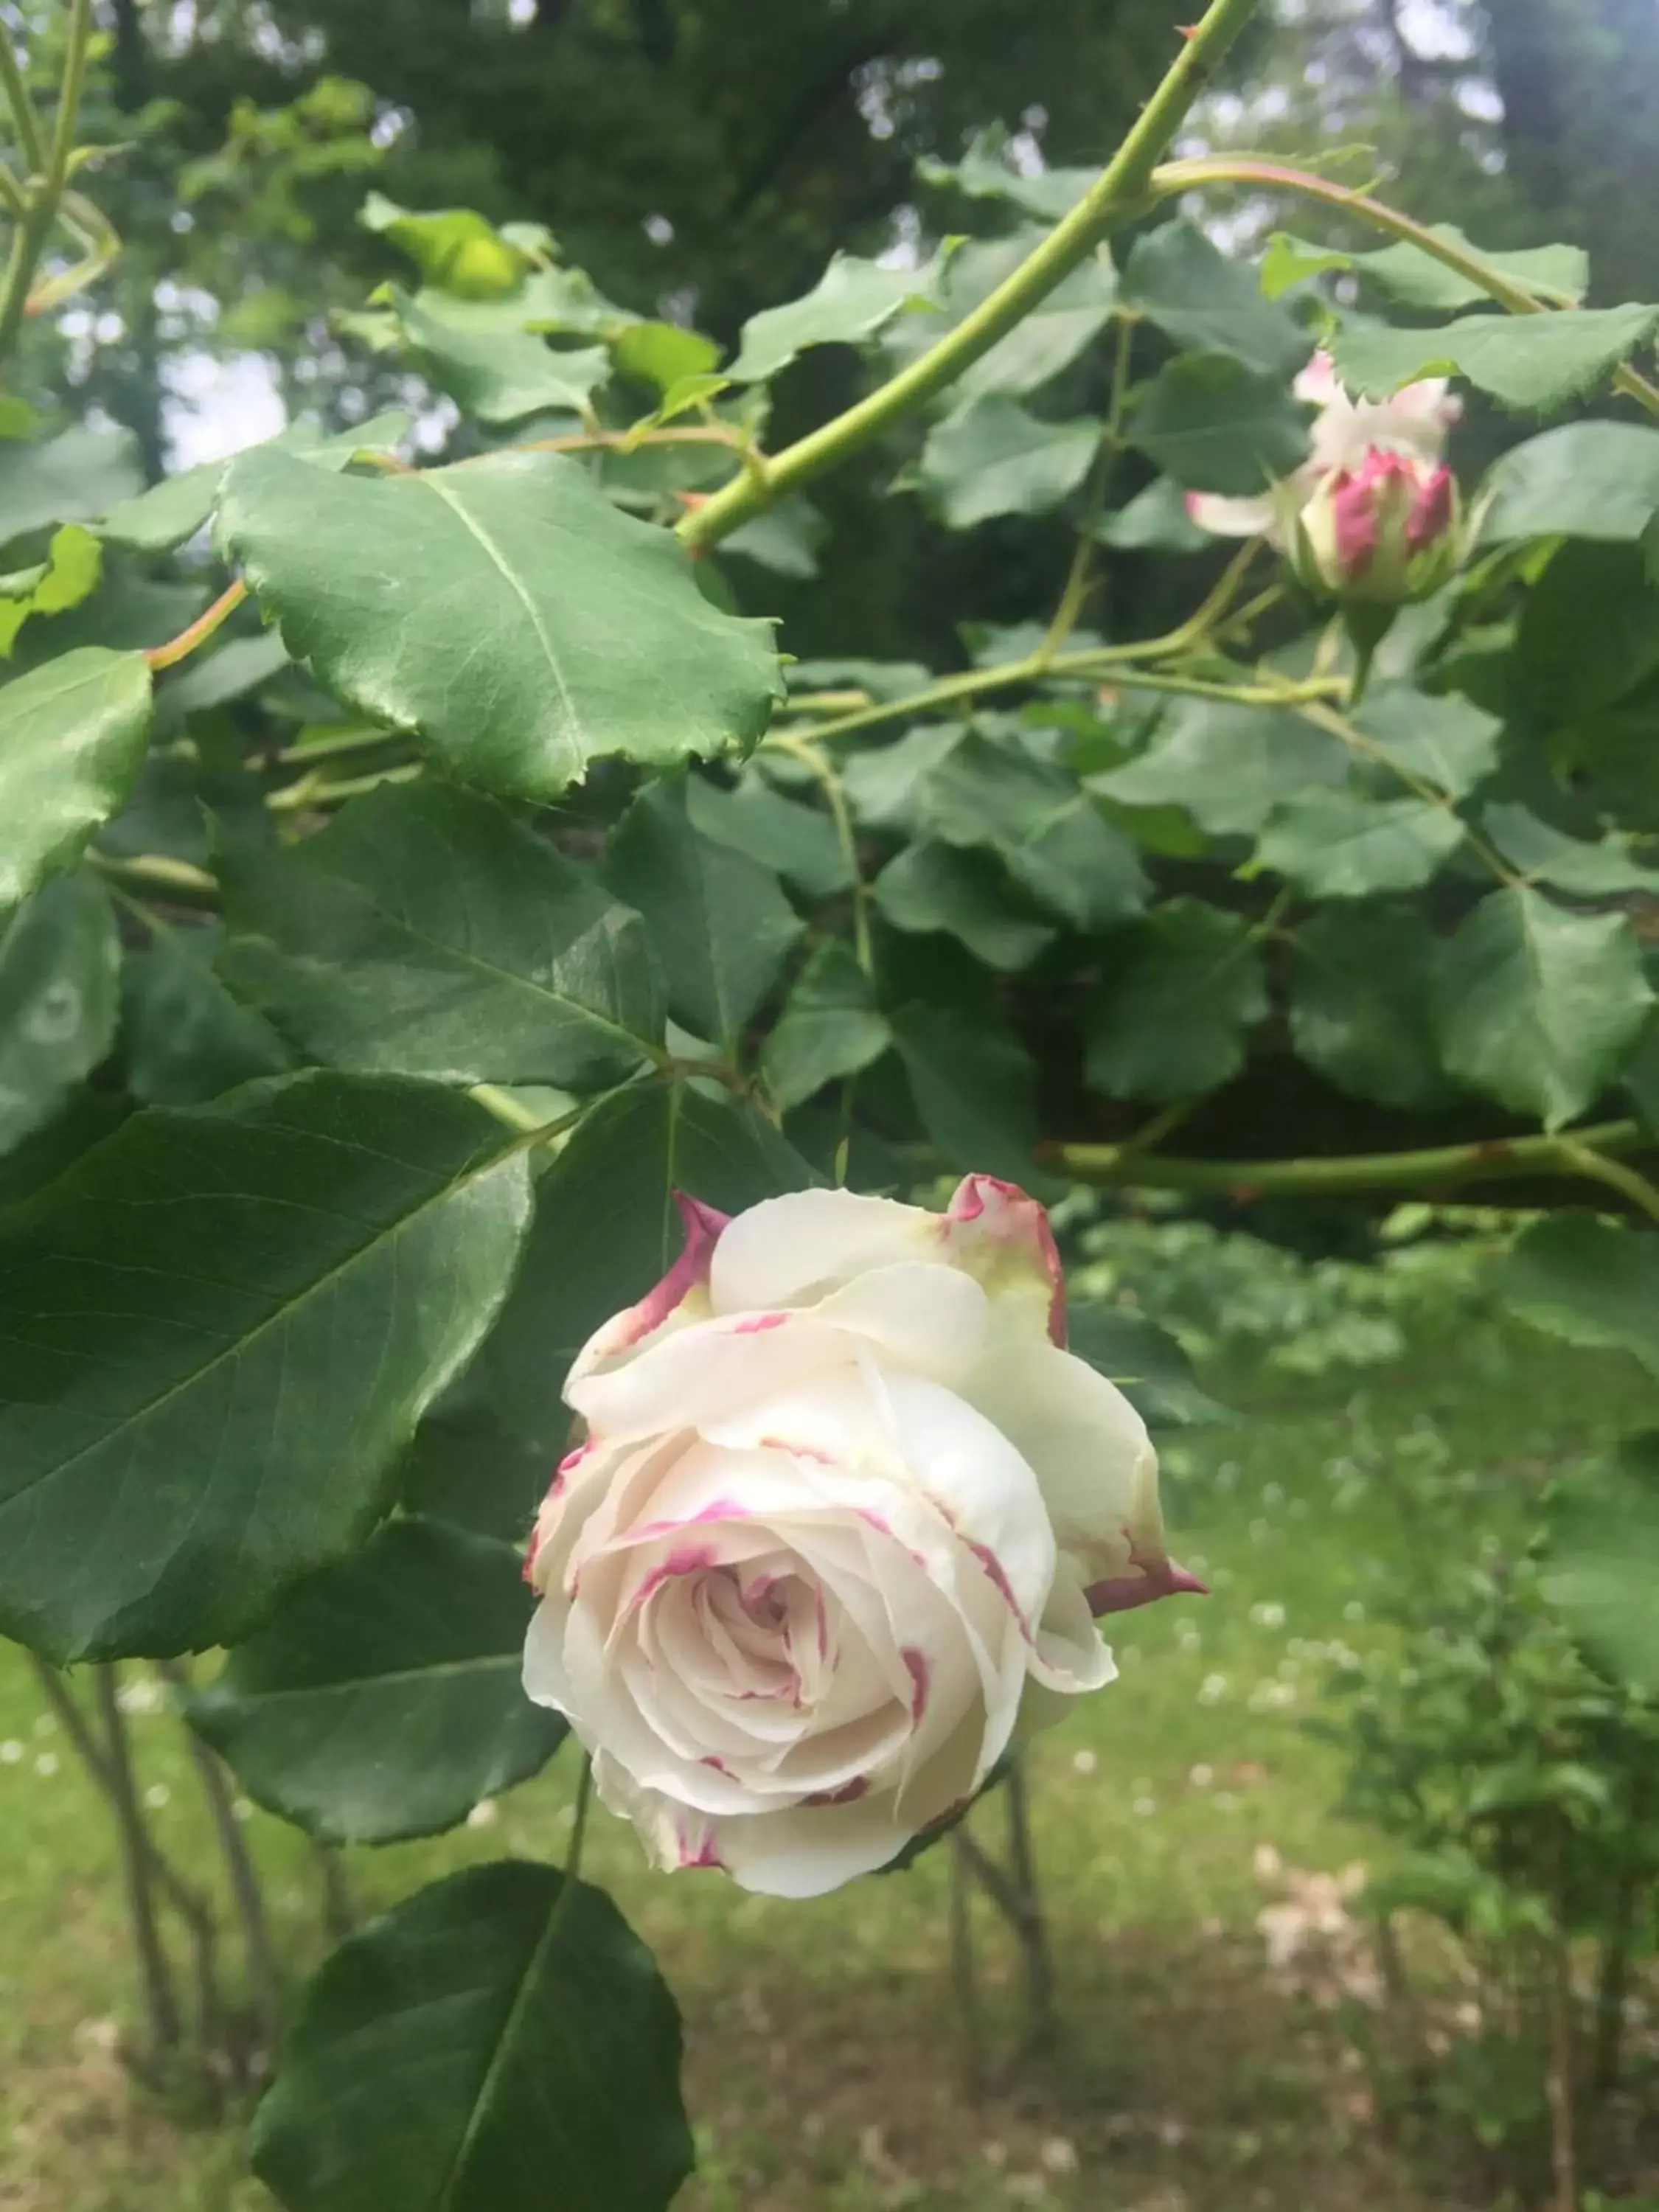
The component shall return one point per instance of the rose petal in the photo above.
(795, 1250)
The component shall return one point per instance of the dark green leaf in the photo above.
(384, 1698)
(1605, 870)
(1228, 766)
(799, 841)
(1049, 832)
(75, 732)
(607, 1229)
(1589, 632)
(974, 1089)
(72, 477)
(1209, 304)
(425, 933)
(1416, 279)
(499, 2042)
(217, 1333)
(721, 926)
(1361, 980)
(1045, 341)
(59, 962)
(503, 610)
(993, 457)
(1447, 741)
(1335, 844)
(1170, 1017)
(1593, 1282)
(185, 1039)
(1584, 480)
(1605, 1555)
(1214, 425)
(1145, 1361)
(830, 1027)
(934, 886)
(1537, 1006)
(883, 785)
(466, 1468)
(853, 300)
(1530, 364)
(88, 1117)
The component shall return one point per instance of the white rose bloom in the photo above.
(843, 1519)
(1414, 423)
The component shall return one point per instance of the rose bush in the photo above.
(845, 1514)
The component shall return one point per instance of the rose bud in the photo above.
(844, 1516)
(1384, 533)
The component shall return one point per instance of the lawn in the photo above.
(825, 2054)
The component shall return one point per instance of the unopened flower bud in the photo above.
(1384, 533)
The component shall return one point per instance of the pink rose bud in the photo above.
(1384, 532)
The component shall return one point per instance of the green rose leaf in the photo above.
(1145, 1361)
(937, 887)
(68, 575)
(1416, 279)
(499, 376)
(721, 926)
(384, 1698)
(973, 1086)
(1228, 766)
(185, 1039)
(853, 300)
(497, 2036)
(425, 933)
(1361, 982)
(1598, 480)
(70, 478)
(607, 1229)
(1447, 741)
(1045, 341)
(75, 732)
(784, 537)
(1592, 1282)
(175, 509)
(1155, 520)
(502, 610)
(1170, 1019)
(219, 1329)
(991, 457)
(60, 960)
(1588, 631)
(1536, 1007)
(1605, 870)
(799, 841)
(1178, 279)
(1605, 1559)
(1214, 425)
(1332, 845)
(985, 172)
(468, 1468)
(1531, 364)
(830, 1027)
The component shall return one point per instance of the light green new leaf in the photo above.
(1214, 425)
(991, 457)
(1606, 870)
(504, 375)
(68, 575)
(453, 248)
(1228, 766)
(1530, 364)
(175, 509)
(1447, 741)
(60, 960)
(718, 922)
(384, 1697)
(934, 886)
(853, 300)
(425, 933)
(973, 1086)
(72, 737)
(607, 1229)
(1361, 981)
(217, 1332)
(1049, 832)
(1535, 1006)
(1333, 845)
(1206, 302)
(70, 478)
(664, 354)
(1604, 1551)
(1416, 279)
(1592, 1282)
(1597, 480)
(502, 610)
(497, 2041)
(184, 1038)
(1170, 1019)
(799, 841)
(830, 1027)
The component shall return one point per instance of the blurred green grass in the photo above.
(824, 2054)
